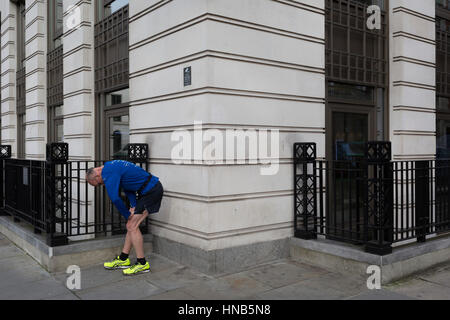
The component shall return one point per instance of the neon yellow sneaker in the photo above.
(117, 264)
(137, 269)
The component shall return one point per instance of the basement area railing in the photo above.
(370, 201)
(54, 198)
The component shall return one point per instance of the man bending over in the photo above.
(144, 191)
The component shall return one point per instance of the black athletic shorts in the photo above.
(151, 201)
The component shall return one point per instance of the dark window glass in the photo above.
(443, 139)
(55, 23)
(117, 97)
(21, 36)
(114, 6)
(353, 52)
(379, 3)
(119, 137)
(350, 135)
(442, 3)
(350, 92)
(443, 104)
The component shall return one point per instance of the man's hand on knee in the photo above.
(132, 223)
(135, 220)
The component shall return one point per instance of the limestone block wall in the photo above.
(255, 64)
(79, 98)
(8, 74)
(79, 90)
(412, 97)
(36, 78)
(413, 79)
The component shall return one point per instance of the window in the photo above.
(353, 52)
(113, 6)
(55, 23)
(20, 80)
(55, 98)
(21, 35)
(106, 8)
(442, 4)
(442, 79)
(117, 97)
(341, 91)
(111, 52)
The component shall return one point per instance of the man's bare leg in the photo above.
(135, 235)
(128, 244)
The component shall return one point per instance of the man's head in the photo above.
(94, 176)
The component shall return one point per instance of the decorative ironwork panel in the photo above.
(55, 77)
(137, 153)
(57, 152)
(111, 52)
(378, 151)
(305, 151)
(353, 52)
(5, 152)
(305, 196)
(21, 94)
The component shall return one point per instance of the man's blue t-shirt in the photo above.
(130, 177)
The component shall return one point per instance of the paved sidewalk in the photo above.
(22, 278)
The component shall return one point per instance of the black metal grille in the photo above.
(54, 197)
(353, 52)
(137, 152)
(372, 201)
(111, 52)
(55, 95)
(21, 94)
(57, 152)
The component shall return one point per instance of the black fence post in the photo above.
(378, 213)
(5, 153)
(56, 195)
(138, 154)
(305, 191)
(422, 192)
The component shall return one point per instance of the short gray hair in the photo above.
(89, 173)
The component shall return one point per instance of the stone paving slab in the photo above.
(35, 290)
(327, 286)
(8, 250)
(175, 278)
(304, 290)
(234, 286)
(159, 263)
(282, 273)
(439, 276)
(20, 270)
(177, 294)
(95, 276)
(420, 289)
(133, 289)
(64, 297)
(380, 295)
(22, 278)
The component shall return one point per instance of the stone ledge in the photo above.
(403, 262)
(57, 259)
(222, 261)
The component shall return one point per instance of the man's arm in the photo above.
(132, 197)
(112, 187)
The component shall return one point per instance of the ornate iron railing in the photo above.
(54, 197)
(371, 201)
